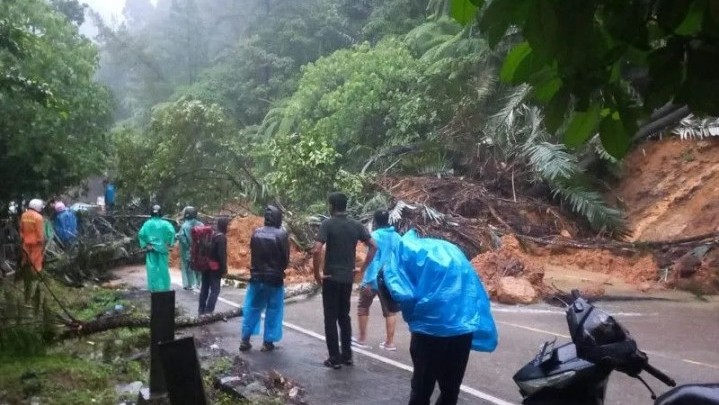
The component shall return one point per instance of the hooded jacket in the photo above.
(270, 250)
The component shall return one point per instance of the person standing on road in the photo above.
(32, 233)
(448, 312)
(388, 241)
(157, 236)
(190, 278)
(341, 234)
(212, 278)
(270, 256)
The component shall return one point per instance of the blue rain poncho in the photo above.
(66, 226)
(439, 292)
(160, 234)
(388, 241)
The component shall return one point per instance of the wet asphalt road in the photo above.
(680, 335)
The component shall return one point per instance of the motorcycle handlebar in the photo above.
(656, 373)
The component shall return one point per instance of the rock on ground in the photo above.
(514, 290)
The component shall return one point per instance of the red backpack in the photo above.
(201, 249)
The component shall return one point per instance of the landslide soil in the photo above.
(239, 234)
(669, 189)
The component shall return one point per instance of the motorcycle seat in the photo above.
(691, 394)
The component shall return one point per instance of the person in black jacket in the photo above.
(270, 252)
(211, 279)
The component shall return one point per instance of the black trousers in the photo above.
(336, 306)
(209, 291)
(440, 360)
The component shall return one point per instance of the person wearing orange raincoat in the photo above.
(32, 233)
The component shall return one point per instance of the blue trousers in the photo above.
(263, 297)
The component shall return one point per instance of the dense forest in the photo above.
(215, 101)
(291, 100)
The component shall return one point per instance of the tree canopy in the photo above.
(604, 65)
(52, 135)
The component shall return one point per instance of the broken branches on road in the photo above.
(79, 329)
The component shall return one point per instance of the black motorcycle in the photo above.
(577, 373)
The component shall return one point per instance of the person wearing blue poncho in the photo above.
(448, 312)
(387, 240)
(65, 224)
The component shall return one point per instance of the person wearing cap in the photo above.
(157, 237)
(32, 233)
(270, 255)
(190, 278)
(65, 223)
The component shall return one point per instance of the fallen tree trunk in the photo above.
(143, 321)
(709, 238)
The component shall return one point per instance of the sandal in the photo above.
(329, 363)
(389, 348)
(245, 346)
(267, 347)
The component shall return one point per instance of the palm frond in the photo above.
(512, 103)
(692, 127)
(432, 214)
(431, 34)
(551, 161)
(395, 215)
(591, 206)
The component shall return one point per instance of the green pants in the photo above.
(190, 278)
(158, 271)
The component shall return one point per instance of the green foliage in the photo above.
(306, 168)
(246, 82)
(26, 319)
(190, 154)
(52, 135)
(588, 54)
(58, 379)
(346, 107)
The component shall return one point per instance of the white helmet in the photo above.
(36, 204)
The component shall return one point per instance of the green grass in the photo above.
(77, 371)
(56, 379)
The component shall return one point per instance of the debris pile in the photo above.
(239, 234)
(509, 274)
(520, 246)
(669, 192)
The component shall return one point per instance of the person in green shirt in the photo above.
(157, 237)
(341, 234)
(190, 278)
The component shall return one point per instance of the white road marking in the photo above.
(510, 309)
(698, 363)
(533, 329)
(469, 390)
(495, 308)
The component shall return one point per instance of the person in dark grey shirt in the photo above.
(341, 234)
